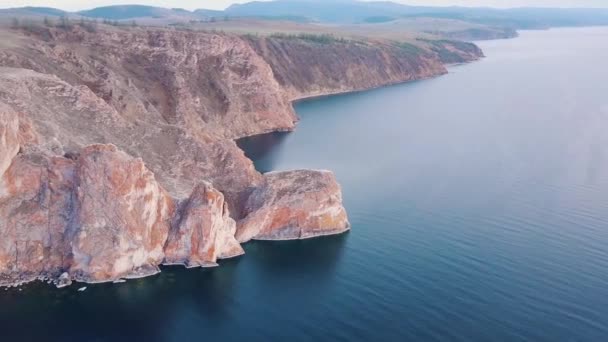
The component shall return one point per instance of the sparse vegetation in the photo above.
(64, 23)
(250, 35)
(90, 25)
(314, 38)
(409, 48)
(378, 19)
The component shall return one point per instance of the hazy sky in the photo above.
(221, 4)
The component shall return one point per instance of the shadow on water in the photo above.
(134, 310)
(313, 257)
(259, 148)
(140, 309)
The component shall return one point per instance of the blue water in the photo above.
(479, 207)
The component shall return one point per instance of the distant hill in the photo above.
(351, 11)
(132, 11)
(32, 11)
(344, 12)
(336, 11)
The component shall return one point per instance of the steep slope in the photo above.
(214, 85)
(308, 65)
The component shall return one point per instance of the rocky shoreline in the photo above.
(117, 149)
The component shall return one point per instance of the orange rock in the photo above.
(294, 205)
(123, 217)
(203, 232)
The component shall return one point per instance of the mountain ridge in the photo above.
(345, 12)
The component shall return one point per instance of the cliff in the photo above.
(117, 149)
(308, 65)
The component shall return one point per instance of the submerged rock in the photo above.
(294, 205)
(64, 280)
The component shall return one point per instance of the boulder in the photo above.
(294, 205)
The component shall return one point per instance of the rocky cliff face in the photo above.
(308, 66)
(214, 86)
(294, 205)
(117, 151)
(97, 216)
(203, 231)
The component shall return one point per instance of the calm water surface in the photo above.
(479, 206)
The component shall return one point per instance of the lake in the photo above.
(479, 210)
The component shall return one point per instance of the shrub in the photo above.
(314, 38)
(409, 48)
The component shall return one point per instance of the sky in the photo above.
(72, 5)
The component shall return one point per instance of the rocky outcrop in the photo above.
(121, 217)
(294, 205)
(203, 232)
(68, 118)
(101, 217)
(96, 215)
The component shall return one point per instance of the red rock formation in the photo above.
(102, 217)
(203, 232)
(121, 217)
(294, 205)
(70, 118)
(33, 205)
(9, 130)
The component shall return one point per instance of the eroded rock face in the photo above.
(294, 205)
(9, 136)
(35, 193)
(122, 217)
(69, 118)
(102, 216)
(37, 210)
(203, 231)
